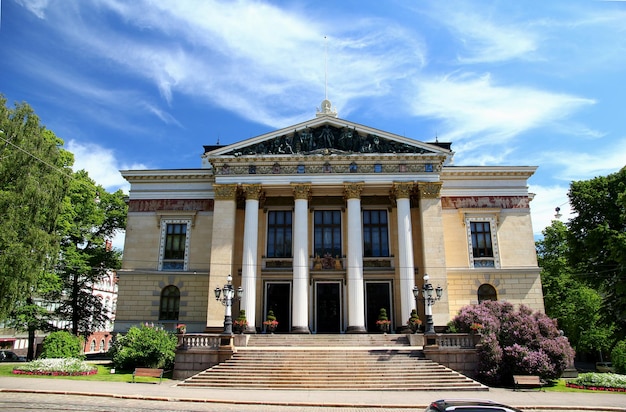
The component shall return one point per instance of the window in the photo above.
(279, 239)
(327, 233)
(92, 346)
(482, 249)
(102, 345)
(487, 292)
(174, 244)
(375, 233)
(170, 303)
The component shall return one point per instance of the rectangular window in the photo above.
(174, 251)
(482, 248)
(279, 239)
(375, 233)
(327, 233)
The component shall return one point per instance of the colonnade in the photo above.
(222, 248)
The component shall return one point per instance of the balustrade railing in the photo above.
(199, 341)
(457, 340)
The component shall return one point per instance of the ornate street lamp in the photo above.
(228, 295)
(429, 301)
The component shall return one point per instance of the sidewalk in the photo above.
(168, 391)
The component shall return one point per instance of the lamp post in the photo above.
(227, 295)
(429, 300)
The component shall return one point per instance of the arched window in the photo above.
(487, 292)
(102, 345)
(170, 303)
(92, 346)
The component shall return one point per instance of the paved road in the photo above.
(22, 393)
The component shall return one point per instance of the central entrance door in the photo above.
(328, 307)
(377, 296)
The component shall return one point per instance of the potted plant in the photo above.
(414, 321)
(181, 328)
(270, 322)
(241, 323)
(383, 321)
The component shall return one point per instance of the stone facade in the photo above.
(324, 223)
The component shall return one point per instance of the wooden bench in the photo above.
(528, 381)
(151, 372)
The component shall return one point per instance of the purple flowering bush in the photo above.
(515, 342)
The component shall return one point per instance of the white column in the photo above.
(356, 286)
(405, 249)
(249, 262)
(300, 316)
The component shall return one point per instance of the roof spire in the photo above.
(326, 106)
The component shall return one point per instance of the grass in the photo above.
(104, 375)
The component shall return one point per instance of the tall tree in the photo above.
(34, 173)
(91, 216)
(597, 239)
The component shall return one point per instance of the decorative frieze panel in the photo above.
(152, 205)
(341, 166)
(497, 202)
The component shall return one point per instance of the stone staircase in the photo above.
(331, 362)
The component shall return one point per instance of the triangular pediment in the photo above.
(326, 135)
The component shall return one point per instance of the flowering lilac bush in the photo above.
(519, 342)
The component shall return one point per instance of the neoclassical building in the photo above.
(324, 222)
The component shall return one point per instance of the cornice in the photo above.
(472, 172)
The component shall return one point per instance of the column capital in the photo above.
(402, 190)
(225, 192)
(301, 191)
(429, 190)
(252, 191)
(352, 190)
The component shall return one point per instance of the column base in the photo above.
(302, 330)
(356, 329)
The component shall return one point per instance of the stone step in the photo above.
(331, 369)
(323, 340)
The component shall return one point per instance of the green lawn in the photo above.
(104, 374)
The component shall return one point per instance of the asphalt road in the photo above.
(45, 402)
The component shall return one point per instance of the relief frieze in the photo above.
(326, 139)
(153, 205)
(501, 202)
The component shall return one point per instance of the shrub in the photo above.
(62, 344)
(515, 342)
(618, 357)
(144, 346)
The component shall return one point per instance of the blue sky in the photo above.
(144, 84)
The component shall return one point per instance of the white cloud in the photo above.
(260, 61)
(101, 165)
(37, 7)
(478, 112)
(542, 208)
(585, 164)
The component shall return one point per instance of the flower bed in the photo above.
(56, 367)
(611, 382)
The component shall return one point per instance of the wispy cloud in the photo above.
(479, 112)
(580, 164)
(37, 7)
(255, 59)
(101, 164)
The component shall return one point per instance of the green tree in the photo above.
(597, 241)
(91, 216)
(577, 307)
(34, 174)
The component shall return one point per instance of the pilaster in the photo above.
(223, 240)
(433, 245)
